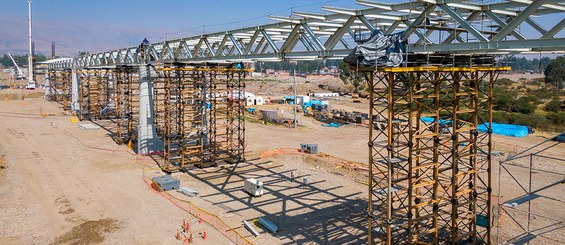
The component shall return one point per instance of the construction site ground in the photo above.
(63, 185)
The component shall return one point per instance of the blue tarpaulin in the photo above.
(505, 129)
(333, 125)
(442, 122)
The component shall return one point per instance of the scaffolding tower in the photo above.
(430, 166)
(199, 115)
(60, 87)
(180, 115)
(226, 133)
(127, 104)
(97, 95)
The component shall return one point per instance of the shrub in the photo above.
(524, 106)
(504, 82)
(553, 106)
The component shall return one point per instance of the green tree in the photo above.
(555, 72)
(349, 76)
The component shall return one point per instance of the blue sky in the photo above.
(166, 15)
(97, 25)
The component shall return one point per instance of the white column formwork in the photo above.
(48, 90)
(147, 140)
(75, 104)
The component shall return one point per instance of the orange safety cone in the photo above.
(187, 227)
(185, 239)
(178, 235)
(204, 235)
(190, 236)
(183, 225)
(200, 216)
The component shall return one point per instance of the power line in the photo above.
(243, 20)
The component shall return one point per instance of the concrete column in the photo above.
(47, 87)
(147, 140)
(75, 106)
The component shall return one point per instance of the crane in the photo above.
(19, 74)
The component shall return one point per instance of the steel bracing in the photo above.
(444, 26)
(97, 95)
(527, 205)
(126, 104)
(430, 165)
(60, 87)
(199, 115)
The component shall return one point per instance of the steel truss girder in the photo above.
(319, 34)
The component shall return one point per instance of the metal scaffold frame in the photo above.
(526, 212)
(180, 115)
(199, 115)
(227, 105)
(97, 94)
(127, 104)
(431, 170)
(60, 87)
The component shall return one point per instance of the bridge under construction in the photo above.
(183, 100)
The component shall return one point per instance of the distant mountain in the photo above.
(69, 38)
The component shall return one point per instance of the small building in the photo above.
(301, 99)
(254, 100)
(323, 95)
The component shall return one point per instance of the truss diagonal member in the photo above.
(291, 40)
(557, 28)
(235, 43)
(313, 37)
(165, 51)
(502, 24)
(418, 33)
(464, 23)
(534, 6)
(270, 41)
(221, 46)
(306, 44)
(366, 22)
(344, 43)
(197, 48)
(258, 47)
(412, 27)
(393, 27)
(251, 42)
(536, 26)
(209, 46)
(187, 50)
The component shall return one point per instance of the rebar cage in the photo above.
(430, 166)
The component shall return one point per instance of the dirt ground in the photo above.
(63, 185)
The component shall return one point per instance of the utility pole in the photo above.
(295, 100)
(30, 82)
